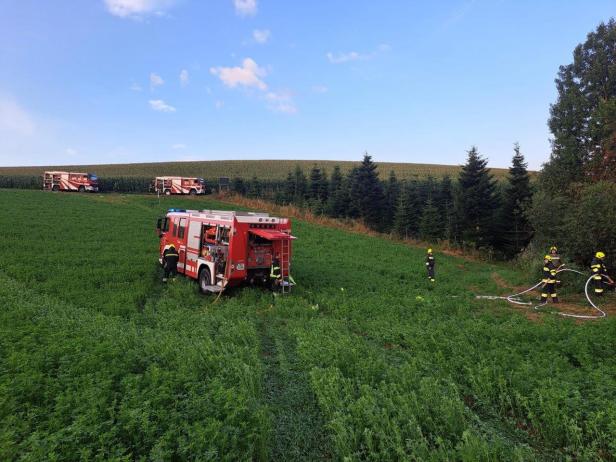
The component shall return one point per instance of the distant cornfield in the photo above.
(246, 169)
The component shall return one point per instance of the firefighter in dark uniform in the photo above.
(556, 261)
(549, 281)
(430, 265)
(599, 274)
(275, 273)
(170, 262)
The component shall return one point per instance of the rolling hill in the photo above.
(262, 169)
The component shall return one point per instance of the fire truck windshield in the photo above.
(92, 177)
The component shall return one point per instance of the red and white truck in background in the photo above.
(70, 181)
(179, 185)
(224, 249)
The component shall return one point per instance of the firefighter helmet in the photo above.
(553, 249)
(171, 245)
(429, 250)
(600, 255)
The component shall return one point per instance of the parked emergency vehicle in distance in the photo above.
(224, 249)
(179, 185)
(70, 181)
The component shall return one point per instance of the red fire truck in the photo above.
(70, 181)
(224, 249)
(179, 185)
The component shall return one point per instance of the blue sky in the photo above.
(107, 81)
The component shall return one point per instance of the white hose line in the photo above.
(580, 316)
(514, 298)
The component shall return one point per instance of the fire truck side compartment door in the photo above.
(194, 235)
(192, 247)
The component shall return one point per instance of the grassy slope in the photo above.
(263, 169)
(365, 360)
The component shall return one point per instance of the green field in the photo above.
(365, 360)
(262, 169)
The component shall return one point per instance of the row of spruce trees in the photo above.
(472, 210)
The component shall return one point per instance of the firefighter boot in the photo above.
(554, 298)
(164, 279)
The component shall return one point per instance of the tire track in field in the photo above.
(298, 428)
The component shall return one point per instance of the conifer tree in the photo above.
(367, 196)
(516, 231)
(446, 207)
(239, 186)
(316, 184)
(583, 119)
(477, 202)
(324, 187)
(254, 189)
(430, 225)
(300, 188)
(392, 196)
(407, 217)
(288, 194)
(337, 203)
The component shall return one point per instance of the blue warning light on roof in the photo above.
(177, 210)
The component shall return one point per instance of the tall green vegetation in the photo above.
(582, 166)
(100, 361)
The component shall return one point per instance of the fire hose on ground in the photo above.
(514, 298)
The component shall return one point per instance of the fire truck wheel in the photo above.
(167, 192)
(55, 188)
(82, 188)
(193, 192)
(205, 279)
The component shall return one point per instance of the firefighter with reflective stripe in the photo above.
(599, 274)
(170, 262)
(549, 281)
(275, 272)
(556, 261)
(430, 262)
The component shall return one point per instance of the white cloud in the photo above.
(136, 87)
(14, 118)
(161, 106)
(261, 35)
(320, 89)
(345, 57)
(178, 146)
(281, 102)
(184, 77)
(137, 9)
(248, 75)
(245, 7)
(155, 80)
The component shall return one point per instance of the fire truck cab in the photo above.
(70, 181)
(224, 248)
(179, 185)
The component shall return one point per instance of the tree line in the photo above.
(472, 210)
